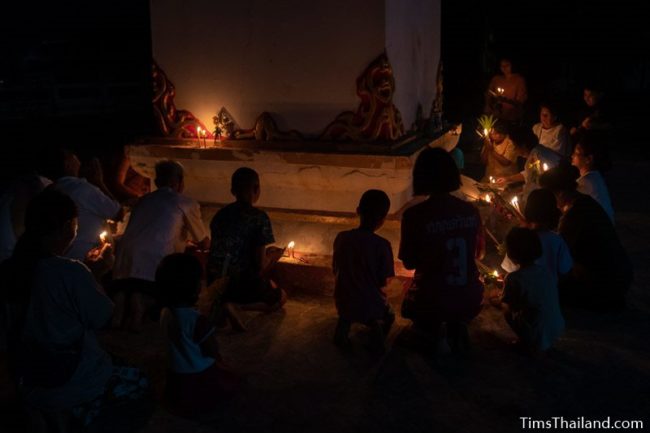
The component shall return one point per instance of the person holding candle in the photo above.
(440, 239)
(238, 251)
(161, 223)
(542, 215)
(95, 206)
(537, 157)
(57, 306)
(362, 262)
(506, 94)
(499, 153)
(533, 311)
(602, 271)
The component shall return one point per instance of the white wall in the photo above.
(298, 59)
(413, 47)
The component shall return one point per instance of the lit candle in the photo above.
(495, 274)
(544, 166)
(290, 248)
(488, 199)
(515, 203)
(485, 132)
(500, 90)
(204, 132)
(492, 180)
(198, 134)
(102, 237)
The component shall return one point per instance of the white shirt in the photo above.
(593, 184)
(555, 138)
(95, 208)
(184, 353)
(160, 224)
(68, 306)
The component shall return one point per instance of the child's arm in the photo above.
(204, 334)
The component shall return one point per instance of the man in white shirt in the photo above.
(95, 206)
(161, 223)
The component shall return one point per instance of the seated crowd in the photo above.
(60, 285)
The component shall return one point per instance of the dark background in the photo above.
(78, 73)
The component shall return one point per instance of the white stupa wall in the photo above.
(297, 59)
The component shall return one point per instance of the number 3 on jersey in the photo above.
(456, 268)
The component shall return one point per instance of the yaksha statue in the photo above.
(377, 118)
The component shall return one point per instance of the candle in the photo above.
(102, 237)
(492, 180)
(500, 90)
(290, 248)
(204, 132)
(544, 166)
(515, 203)
(485, 132)
(198, 134)
(495, 274)
(488, 199)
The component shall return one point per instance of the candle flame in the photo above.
(492, 180)
(495, 273)
(291, 245)
(102, 236)
(514, 201)
(488, 198)
(485, 132)
(545, 166)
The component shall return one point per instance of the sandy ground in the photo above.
(297, 381)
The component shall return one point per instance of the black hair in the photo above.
(168, 172)
(46, 213)
(501, 127)
(243, 181)
(178, 278)
(523, 245)
(373, 206)
(550, 106)
(541, 208)
(560, 178)
(593, 144)
(435, 172)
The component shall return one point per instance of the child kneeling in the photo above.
(197, 378)
(533, 309)
(362, 263)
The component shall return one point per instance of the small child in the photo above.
(362, 263)
(240, 235)
(533, 310)
(197, 378)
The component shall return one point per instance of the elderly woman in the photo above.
(440, 239)
(602, 271)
